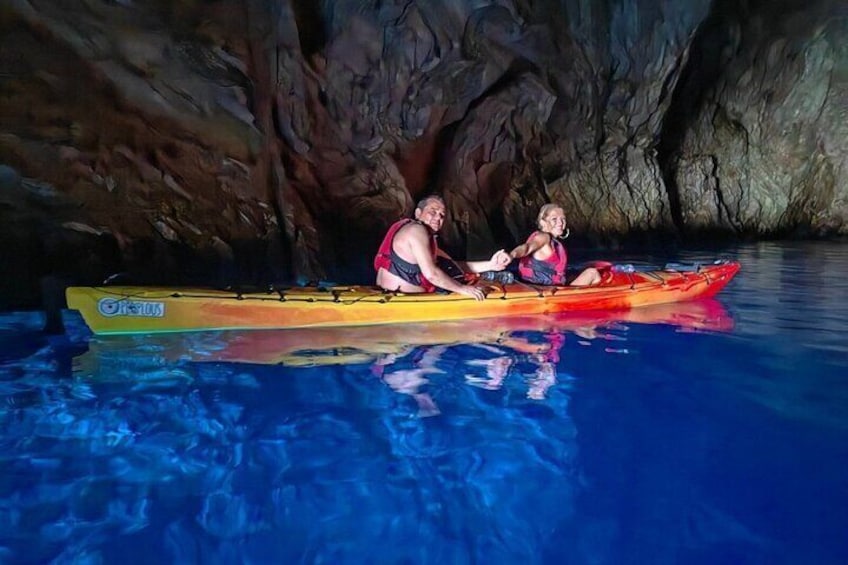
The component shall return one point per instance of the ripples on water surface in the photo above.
(707, 432)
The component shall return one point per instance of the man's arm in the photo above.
(419, 248)
(498, 262)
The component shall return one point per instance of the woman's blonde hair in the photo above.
(545, 210)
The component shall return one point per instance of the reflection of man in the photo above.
(497, 368)
(407, 258)
(410, 381)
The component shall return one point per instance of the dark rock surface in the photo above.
(223, 142)
(761, 143)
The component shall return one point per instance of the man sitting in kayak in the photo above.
(407, 258)
(542, 259)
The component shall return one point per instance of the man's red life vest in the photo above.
(387, 259)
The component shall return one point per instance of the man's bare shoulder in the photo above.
(414, 230)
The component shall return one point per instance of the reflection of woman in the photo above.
(510, 348)
(543, 379)
(543, 259)
(545, 375)
(496, 367)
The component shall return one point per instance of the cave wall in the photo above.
(765, 149)
(221, 142)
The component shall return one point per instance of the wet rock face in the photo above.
(249, 141)
(763, 135)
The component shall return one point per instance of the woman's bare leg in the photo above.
(588, 277)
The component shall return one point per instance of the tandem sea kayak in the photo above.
(131, 310)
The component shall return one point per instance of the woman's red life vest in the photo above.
(550, 271)
(387, 259)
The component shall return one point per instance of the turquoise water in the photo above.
(707, 432)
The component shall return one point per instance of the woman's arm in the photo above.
(535, 243)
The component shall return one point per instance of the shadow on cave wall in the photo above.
(703, 68)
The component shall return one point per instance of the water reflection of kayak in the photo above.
(126, 310)
(348, 345)
(314, 346)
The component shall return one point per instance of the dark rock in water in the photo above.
(9, 178)
(16, 344)
(145, 137)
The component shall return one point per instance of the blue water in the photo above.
(711, 432)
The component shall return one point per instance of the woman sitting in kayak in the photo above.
(542, 259)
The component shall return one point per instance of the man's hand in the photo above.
(500, 260)
(474, 292)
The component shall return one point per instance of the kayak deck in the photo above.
(127, 309)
